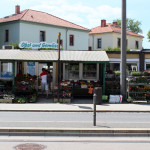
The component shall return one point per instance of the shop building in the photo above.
(75, 65)
(136, 60)
(36, 26)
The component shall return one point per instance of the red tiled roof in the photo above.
(111, 28)
(41, 17)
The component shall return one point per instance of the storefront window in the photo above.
(72, 71)
(31, 68)
(131, 67)
(148, 67)
(113, 67)
(6, 70)
(89, 71)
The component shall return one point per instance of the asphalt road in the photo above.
(75, 143)
(74, 119)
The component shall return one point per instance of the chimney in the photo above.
(17, 9)
(115, 23)
(103, 23)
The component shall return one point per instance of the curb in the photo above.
(76, 130)
(144, 111)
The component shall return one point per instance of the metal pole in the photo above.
(94, 109)
(13, 82)
(104, 72)
(59, 34)
(123, 52)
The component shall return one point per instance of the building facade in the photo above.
(108, 35)
(35, 26)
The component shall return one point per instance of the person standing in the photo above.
(44, 84)
(49, 79)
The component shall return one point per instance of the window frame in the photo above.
(68, 71)
(87, 71)
(44, 36)
(119, 42)
(137, 44)
(7, 35)
(61, 42)
(11, 70)
(99, 46)
(71, 43)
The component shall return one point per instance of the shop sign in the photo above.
(30, 45)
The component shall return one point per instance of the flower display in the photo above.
(67, 87)
(25, 90)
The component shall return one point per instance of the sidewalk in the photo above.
(57, 107)
(72, 128)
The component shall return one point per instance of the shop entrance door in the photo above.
(49, 67)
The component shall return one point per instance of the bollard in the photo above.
(98, 92)
(94, 110)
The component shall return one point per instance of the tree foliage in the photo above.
(132, 25)
(148, 35)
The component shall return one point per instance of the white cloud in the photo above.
(78, 13)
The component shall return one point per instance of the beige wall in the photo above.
(110, 40)
(131, 40)
(107, 41)
(147, 56)
(129, 56)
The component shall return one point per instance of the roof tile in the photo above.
(111, 28)
(41, 17)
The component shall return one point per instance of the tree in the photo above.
(132, 25)
(148, 35)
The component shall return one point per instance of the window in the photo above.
(148, 67)
(136, 44)
(42, 36)
(72, 71)
(71, 40)
(61, 42)
(119, 42)
(6, 35)
(6, 70)
(89, 71)
(99, 43)
(112, 67)
(131, 67)
(90, 48)
(31, 68)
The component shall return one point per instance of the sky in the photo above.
(87, 13)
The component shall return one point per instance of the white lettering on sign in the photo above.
(25, 44)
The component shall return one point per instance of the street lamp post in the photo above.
(59, 71)
(123, 51)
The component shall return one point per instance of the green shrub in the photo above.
(117, 72)
(114, 49)
(136, 73)
(16, 45)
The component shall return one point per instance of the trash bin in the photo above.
(98, 92)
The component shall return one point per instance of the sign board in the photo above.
(30, 45)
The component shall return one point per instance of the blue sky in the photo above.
(87, 13)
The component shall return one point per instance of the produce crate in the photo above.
(5, 100)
